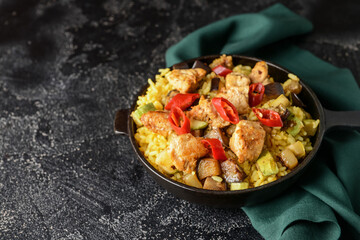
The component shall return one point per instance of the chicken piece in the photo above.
(186, 80)
(185, 150)
(223, 60)
(232, 172)
(248, 140)
(235, 79)
(238, 96)
(157, 122)
(205, 111)
(259, 73)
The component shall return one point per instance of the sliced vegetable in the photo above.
(208, 167)
(281, 100)
(288, 158)
(200, 64)
(226, 110)
(211, 184)
(197, 124)
(215, 84)
(136, 115)
(164, 161)
(178, 121)
(180, 66)
(267, 165)
(297, 148)
(183, 101)
(192, 180)
(294, 125)
(216, 148)
(221, 70)
(273, 90)
(239, 186)
(256, 93)
(311, 126)
(268, 117)
(217, 178)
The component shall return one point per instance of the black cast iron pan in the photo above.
(328, 119)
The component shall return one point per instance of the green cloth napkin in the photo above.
(325, 202)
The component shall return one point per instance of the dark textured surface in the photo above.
(65, 67)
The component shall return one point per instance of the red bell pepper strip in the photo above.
(221, 70)
(256, 93)
(178, 121)
(216, 148)
(182, 101)
(226, 110)
(268, 117)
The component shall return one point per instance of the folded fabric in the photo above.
(325, 202)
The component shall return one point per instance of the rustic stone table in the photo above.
(65, 67)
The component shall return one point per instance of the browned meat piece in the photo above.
(235, 79)
(205, 111)
(185, 150)
(208, 167)
(259, 73)
(248, 140)
(232, 172)
(186, 80)
(238, 96)
(157, 122)
(223, 60)
(211, 184)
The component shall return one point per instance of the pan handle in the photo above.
(121, 121)
(342, 119)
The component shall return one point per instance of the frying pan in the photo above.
(124, 124)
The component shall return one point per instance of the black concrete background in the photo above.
(65, 67)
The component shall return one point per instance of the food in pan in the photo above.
(223, 127)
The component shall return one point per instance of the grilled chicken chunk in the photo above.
(232, 172)
(223, 60)
(238, 96)
(185, 150)
(248, 140)
(205, 111)
(259, 73)
(157, 122)
(235, 79)
(186, 80)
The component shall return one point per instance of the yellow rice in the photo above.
(152, 144)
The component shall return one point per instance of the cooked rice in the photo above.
(152, 144)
